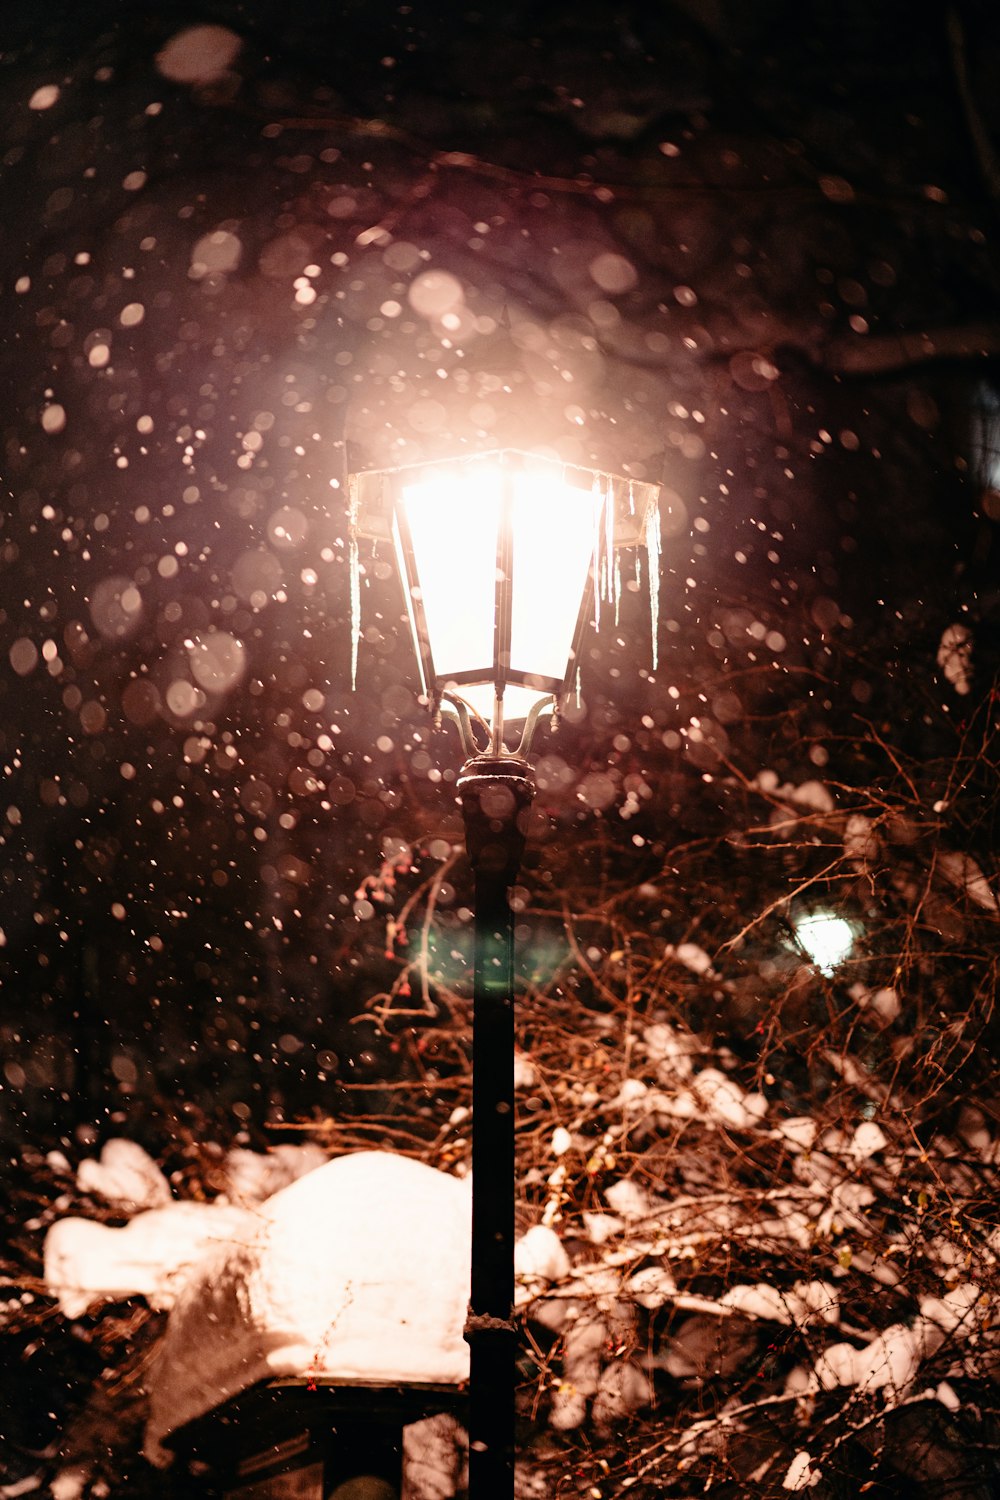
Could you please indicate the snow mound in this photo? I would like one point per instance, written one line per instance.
(126, 1176)
(539, 1255)
(252, 1176)
(954, 657)
(892, 1359)
(691, 956)
(711, 1097)
(358, 1270)
(152, 1256)
(962, 871)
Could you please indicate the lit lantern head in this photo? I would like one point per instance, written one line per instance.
(503, 556)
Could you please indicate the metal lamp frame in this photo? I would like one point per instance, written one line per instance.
(376, 514)
(496, 788)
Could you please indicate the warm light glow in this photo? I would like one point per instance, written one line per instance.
(554, 527)
(826, 938)
(496, 552)
(454, 521)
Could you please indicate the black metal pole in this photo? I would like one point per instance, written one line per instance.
(496, 793)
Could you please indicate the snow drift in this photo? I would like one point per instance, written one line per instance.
(359, 1269)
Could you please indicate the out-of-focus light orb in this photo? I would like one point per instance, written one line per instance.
(826, 938)
(199, 55)
(217, 660)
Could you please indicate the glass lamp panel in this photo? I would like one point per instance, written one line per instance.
(480, 698)
(518, 700)
(554, 530)
(401, 565)
(453, 523)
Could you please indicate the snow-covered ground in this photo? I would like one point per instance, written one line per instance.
(359, 1270)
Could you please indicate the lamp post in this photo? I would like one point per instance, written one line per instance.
(501, 556)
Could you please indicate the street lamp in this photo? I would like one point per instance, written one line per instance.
(502, 556)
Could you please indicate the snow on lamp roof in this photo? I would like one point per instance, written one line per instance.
(359, 1270)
